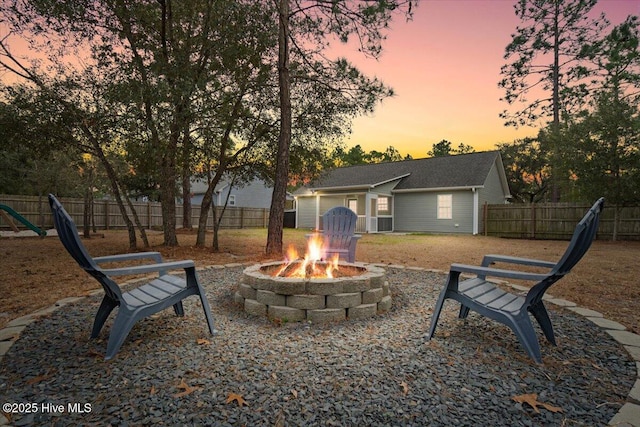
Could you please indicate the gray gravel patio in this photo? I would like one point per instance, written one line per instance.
(377, 371)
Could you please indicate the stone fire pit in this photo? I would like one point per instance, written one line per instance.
(358, 292)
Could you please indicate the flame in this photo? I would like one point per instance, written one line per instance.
(314, 263)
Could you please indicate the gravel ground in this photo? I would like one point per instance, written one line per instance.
(255, 372)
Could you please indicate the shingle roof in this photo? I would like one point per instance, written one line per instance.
(465, 170)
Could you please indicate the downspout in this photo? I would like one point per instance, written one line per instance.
(393, 213)
(317, 227)
(476, 204)
(367, 211)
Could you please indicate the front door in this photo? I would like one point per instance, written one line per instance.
(372, 215)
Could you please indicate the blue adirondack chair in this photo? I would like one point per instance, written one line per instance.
(338, 233)
(483, 297)
(165, 291)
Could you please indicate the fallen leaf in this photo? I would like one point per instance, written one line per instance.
(187, 389)
(295, 393)
(94, 353)
(39, 378)
(405, 388)
(238, 398)
(279, 422)
(203, 341)
(153, 390)
(532, 400)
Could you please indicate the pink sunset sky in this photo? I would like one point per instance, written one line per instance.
(444, 67)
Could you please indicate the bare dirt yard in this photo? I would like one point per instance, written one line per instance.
(35, 272)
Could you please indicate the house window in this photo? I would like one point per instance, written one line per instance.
(353, 205)
(445, 206)
(232, 200)
(383, 204)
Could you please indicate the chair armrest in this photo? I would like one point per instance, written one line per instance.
(149, 268)
(356, 236)
(496, 272)
(155, 256)
(491, 258)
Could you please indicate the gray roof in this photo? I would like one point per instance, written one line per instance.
(465, 170)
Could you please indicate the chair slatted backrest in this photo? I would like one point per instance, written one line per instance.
(68, 234)
(339, 225)
(583, 237)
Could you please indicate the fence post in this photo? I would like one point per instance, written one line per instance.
(533, 221)
(485, 216)
(106, 214)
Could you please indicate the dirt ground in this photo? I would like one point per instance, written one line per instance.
(35, 272)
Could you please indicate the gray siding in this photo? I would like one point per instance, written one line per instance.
(252, 195)
(491, 194)
(418, 212)
(255, 194)
(328, 202)
(307, 207)
(306, 212)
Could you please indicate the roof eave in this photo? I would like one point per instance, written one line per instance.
(422, 190)
(359, 187)
(346, 187)
(397, 178)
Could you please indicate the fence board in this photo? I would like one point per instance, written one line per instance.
(107, 214)
(557, 221)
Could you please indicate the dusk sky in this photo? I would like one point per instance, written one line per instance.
(444, 67)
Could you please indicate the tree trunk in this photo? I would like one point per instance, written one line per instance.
(217, 220)
(555, 149)
(616, 222)
(204, 215)
(136, 219)
(86, 213)
(113, 178)
(93, 213)
(276, 213)
(115, 187)
(186, 180)
(215, 245)
(168, 196)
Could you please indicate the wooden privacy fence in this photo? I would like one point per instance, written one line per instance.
(107, 214)
(556, 221)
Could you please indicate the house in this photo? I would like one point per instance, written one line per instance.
(253, 194)
(434, 195)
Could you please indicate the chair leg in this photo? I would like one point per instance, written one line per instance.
(119, 331)
(207, 311)
(106, 307)
(464, 311)
(193, 282)
(523, 329)
(179, 309)
(436, 313)
(542, 316)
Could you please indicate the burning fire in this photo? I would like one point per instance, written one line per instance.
(314, 263)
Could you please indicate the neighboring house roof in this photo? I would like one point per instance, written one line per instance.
(460, 171)
(199, 185)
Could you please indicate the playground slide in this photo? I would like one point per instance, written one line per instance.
(16, 215)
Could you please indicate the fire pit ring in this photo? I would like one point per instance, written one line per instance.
(319, 300)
